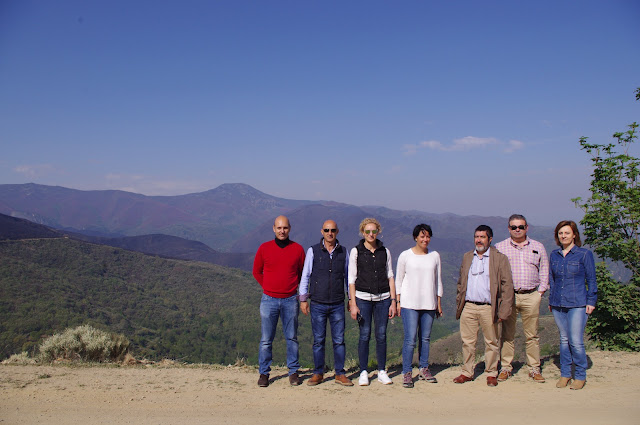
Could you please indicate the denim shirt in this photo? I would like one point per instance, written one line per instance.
(572, 278)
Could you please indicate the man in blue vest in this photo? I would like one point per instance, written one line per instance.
(324, 282)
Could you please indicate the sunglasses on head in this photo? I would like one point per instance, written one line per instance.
(330, 230)
(521, 227)
(371, 232)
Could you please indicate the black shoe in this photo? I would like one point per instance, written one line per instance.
(263, 381)
(294, 379)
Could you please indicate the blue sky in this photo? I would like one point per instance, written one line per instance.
(470, 107)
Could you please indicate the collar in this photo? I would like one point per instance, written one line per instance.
(378, 243)
(517, 245)
(283, 243)
(484, 254)
(334, 248)
(572, 250)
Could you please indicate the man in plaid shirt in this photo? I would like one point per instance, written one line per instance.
(530, 270)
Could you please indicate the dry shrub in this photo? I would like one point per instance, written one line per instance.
(129, 360)
(84, 343)
(21, 359)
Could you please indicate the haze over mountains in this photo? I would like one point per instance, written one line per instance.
(232, 217)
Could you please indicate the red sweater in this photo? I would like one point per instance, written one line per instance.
(278, 270)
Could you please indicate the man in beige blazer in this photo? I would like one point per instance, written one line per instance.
(485, 298)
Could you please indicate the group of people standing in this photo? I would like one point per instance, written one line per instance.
(493, 287)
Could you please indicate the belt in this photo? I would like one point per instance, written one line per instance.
(525, 291)
(477, 303)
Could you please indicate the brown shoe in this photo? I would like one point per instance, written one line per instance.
(536, 375)
(562, 382)
(343, 380)
(492, 381)
(462, 379)
(504, 375)
(294, 379)
(263, 381)
(577, 384)
(315, 379)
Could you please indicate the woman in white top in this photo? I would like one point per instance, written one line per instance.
(372, 296)
(419, 289)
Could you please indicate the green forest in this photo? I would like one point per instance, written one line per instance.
(183, 310)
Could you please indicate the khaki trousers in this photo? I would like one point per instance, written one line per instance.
(476, 317)
(528, 305)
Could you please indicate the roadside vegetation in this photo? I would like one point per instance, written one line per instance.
(83, 343)
(612, 229)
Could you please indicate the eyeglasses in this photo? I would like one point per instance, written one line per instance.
(371, 232)
(521, 227)
(330, 230)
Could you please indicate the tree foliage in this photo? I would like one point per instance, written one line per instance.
(612, 229)
(614, 324)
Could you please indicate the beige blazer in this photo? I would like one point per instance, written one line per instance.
(501, 284)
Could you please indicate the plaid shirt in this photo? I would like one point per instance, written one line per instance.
(529, 264)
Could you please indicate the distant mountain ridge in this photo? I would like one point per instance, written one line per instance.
(232, 217)
(12, 228)
(216, 217)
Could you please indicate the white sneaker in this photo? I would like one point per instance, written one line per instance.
(364, 379)
(384, 378)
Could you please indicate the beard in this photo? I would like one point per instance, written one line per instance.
(481, 248)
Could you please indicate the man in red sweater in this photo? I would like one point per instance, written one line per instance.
(278, 268)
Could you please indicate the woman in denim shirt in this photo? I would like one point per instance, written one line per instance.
(573, 295)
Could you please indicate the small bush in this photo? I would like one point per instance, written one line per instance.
(21, 359)
(84, 343)
(615, 323)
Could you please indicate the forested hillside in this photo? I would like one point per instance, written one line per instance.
(195, 312)
(168, 308)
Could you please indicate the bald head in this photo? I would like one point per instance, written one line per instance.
(281, 228)
(329, 232)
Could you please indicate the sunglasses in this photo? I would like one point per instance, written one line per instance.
(521, 227)
(371, 232)
(330, 230)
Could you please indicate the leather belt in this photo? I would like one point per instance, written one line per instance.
(525, 291)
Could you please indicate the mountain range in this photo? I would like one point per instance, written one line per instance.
(226, 225)
(223, 226)
(234, 217)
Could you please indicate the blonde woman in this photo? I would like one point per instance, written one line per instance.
(372, 296)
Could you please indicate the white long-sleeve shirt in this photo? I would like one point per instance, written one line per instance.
(419, 280)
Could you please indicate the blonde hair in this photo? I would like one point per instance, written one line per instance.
(369, 220)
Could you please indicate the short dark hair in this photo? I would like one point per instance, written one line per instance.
(517, 217)
(420, 228)
(484, 228)
(574, 228)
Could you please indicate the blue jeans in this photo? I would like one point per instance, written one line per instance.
(378, 311)
(571, 323)
(334, 313)
(287, 309)
(410, 320)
